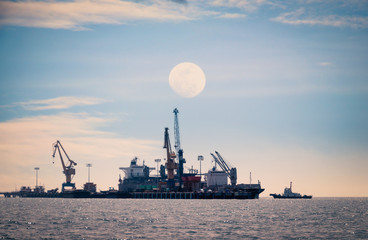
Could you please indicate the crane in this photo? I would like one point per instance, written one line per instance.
(68, 170)
(179, 151)
(171, 165)
(229, 170)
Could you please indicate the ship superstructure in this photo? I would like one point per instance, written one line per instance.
(136, 177)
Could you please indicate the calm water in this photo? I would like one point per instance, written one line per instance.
(319, 218)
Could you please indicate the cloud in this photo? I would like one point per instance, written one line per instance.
(232, 15)
(27, 142)
(248, 5)
(350, 14)
(78, 13)
(59, 103)
(301, 17)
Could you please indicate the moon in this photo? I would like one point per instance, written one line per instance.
(187, 79)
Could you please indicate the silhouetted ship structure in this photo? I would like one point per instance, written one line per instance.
(288, 193)
(170, 182)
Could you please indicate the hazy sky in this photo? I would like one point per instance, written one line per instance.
(286, 96)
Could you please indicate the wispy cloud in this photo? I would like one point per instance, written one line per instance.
(76, 14)
(232, 15)
(350, 14)
(27, 142)
(248, 5)
(59, 103)
(301, 17)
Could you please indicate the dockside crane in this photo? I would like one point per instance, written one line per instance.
(68, 170)
(170, 164)
(179, 151)
(226, 167)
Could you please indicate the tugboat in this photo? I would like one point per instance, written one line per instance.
(289, 194)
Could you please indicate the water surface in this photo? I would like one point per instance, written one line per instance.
(319, 218)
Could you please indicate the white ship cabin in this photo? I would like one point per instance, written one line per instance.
(216, 178)
(135, 170)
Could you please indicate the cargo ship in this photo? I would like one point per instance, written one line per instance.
(172, 182)
(288, 193)
(137, 183)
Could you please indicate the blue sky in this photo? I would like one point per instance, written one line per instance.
(285, 98)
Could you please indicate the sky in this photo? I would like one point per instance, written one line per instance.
(286, 95)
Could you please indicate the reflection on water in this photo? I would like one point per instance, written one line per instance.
(334, 218)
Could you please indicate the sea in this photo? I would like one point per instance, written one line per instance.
(265, 218)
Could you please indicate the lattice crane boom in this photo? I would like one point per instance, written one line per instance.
(171, 165)
(179, 150)
(176, 131)
(68, 170)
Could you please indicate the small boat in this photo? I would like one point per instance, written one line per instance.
(288, 193)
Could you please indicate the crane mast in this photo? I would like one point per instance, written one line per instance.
(170, 164)
(176, 130)
(68, 170)
(230, 171)
(179, 151)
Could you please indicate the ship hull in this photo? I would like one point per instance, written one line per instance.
(278, 196)
(252, 194)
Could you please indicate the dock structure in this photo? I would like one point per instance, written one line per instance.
(135, 195)
(191, 195)
(21, 194)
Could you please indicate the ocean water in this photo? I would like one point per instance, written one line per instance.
(319, 218)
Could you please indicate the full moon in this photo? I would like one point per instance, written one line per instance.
(187, 79)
